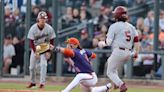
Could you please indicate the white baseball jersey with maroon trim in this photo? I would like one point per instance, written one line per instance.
(41, 36)
(122, 35)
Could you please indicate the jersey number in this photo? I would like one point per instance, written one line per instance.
(128, 36)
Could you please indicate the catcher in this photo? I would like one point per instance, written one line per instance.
(41, 37)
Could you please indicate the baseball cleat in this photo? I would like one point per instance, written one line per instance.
(31, 85)
(115, 87)
(41, 86)
(123, 88)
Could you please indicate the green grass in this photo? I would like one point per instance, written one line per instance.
(59, 87)
(23, 87)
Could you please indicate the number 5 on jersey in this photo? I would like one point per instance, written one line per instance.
(128, 36)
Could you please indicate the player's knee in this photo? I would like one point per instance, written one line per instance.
(43, 65)
(31, 68)
(109, 73)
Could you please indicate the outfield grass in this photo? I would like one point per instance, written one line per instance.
(59, 87)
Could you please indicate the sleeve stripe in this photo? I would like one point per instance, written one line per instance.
(136, 39)
(68, 52)
(93, 55)
(32, 46)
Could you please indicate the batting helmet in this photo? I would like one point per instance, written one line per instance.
(73, 40)
(120, 13)
(42, 15)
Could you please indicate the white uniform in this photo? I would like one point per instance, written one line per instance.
(121, 35)
(39, 36)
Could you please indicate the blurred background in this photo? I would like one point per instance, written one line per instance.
(88, 20)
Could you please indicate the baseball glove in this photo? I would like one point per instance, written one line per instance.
(42, 48)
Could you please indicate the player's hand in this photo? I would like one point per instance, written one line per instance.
(101, 44)
(134, 55)
(57, 49)
(37, 55)
(51, 47)
(48, 55)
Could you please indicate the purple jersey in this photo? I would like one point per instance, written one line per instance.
(81, 61)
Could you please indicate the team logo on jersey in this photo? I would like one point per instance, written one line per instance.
(40, 36)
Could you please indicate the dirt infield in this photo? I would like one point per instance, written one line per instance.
(14, 90)
(145, 84)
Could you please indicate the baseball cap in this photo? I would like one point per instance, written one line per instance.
(42, 15)
(73, 40)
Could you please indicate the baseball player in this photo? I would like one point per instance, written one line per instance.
(80, 60)
(39, 33)
(92, 89)
(121, 36)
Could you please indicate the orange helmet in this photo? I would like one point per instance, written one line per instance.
(73, 40)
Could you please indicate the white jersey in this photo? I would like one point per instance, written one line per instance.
(41, 36)
(122, 35)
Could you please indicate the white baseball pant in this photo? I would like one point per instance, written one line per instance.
(85, 79)
(43, 68)
(116, 61)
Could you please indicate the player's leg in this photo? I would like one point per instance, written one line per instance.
(76, 81)
(104, 88)
(43, 70)
(112, 70)
(116, 61)
(85, 88)
(86, 84)
(32, 70)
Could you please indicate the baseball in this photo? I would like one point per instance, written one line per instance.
(38, 47)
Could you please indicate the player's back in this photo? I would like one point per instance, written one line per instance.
(81, 61)
(123, 33)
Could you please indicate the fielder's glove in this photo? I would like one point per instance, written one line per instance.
(42, 48)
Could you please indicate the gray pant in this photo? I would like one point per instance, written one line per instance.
(43, 68)
(116, 61)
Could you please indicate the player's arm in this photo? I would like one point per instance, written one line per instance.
(136, 45)
(32, 45)
(90, 54)
(93, 56)
(66, 51)
(52, 44)
(52, 38)
(136, 49)
(52, 41)
(31, 38)
(109, 37)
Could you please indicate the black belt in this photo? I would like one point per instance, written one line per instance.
(123, 48)
(86, 72)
